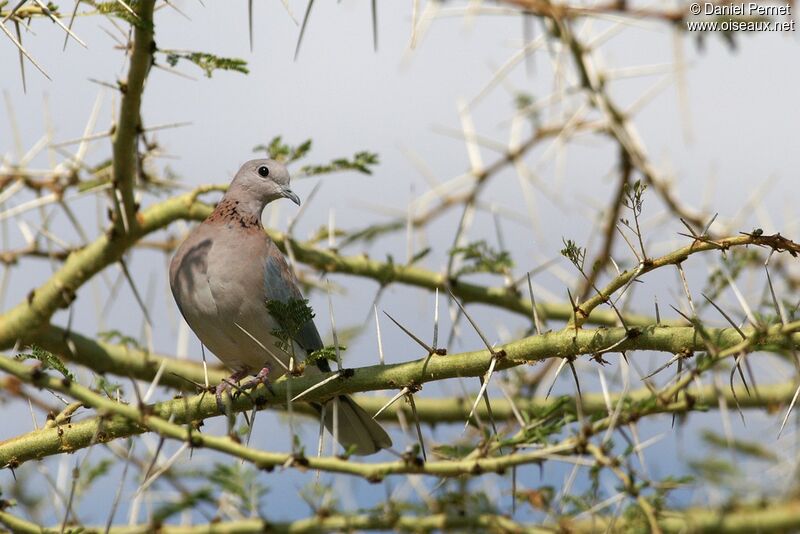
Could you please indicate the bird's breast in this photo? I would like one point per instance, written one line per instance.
(217, 278)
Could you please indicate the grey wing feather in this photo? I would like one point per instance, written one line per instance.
(188, 274)
(280, 284)
(355, 427)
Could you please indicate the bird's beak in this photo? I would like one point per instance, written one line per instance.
(291, 195)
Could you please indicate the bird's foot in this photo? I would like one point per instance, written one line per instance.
(262, 377)
(226, 385)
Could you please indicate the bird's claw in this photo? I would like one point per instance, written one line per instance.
(225, 386)
(218, 396)
(262, 377)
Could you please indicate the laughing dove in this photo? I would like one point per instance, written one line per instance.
(222, 277)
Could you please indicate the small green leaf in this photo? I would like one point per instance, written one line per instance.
(90, 473)
(634, 196)
(283, 152)
(325, 353)
(575, 254)
(115, 336)
(238, 480)
(207, 62)
(479, 257)
(115, 8)
(110, 389)
(452, 452)
(715, 470)
(291, 317)
(361, 162)
(419, 255)
(48, 360)
(187, 501)
(748, 448)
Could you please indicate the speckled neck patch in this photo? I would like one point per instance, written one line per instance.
(228, 211)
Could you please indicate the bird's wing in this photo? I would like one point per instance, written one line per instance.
(188, 276)
(280, 284)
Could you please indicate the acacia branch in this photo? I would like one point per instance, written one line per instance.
(126, 134)
(33, 314)
(73, 435)
(759, 517)
(775, 242)
(129, 361)
(60, 289)
(614, 208)
(619, 127)
(456, 409)
(123, 360)
(563, 344)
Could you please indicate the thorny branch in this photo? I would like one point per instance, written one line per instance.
(563, 344)
(126, 136)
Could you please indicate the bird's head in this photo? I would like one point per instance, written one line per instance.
(260, 181)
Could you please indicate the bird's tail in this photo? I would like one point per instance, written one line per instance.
(356, 429)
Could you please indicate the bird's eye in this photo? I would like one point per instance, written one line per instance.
(263, 171)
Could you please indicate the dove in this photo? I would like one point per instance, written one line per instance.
(222, 277)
